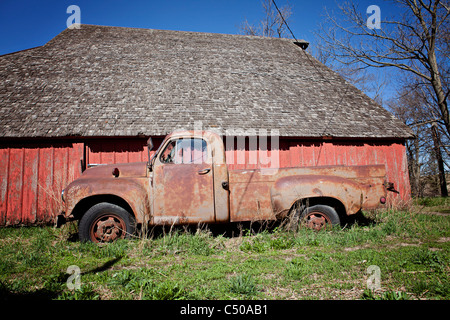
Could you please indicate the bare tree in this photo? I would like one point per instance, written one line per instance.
(271, 25)
(417, 42)
(426, 161)
(407, 108)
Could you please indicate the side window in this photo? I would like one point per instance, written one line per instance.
(185, 151)
(168, 155)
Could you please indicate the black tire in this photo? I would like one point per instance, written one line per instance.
(320, 217)
(106, 222)
(301, 216)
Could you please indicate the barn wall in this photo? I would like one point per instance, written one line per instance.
(108, 151)
(33, 174)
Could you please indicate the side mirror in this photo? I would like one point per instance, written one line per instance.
(149, 147)
(150, 144)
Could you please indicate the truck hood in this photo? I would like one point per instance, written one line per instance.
(135, 169)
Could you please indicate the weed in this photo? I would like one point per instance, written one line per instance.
(431, 287)
(419, 287)
(265, 241)
(388, 295)
(433, 201)
(427, 258)
(296, 269)
(243, 284)
(141, 284)
(177, 242)
(257, 244)
(85, 292)
(167, 290)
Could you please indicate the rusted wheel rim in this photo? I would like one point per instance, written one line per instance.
(317, 220)
(107, 228)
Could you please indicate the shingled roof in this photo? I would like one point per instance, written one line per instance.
(113, 81)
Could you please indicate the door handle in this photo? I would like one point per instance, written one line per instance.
(204, 171)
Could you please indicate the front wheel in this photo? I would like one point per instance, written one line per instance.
(106, 222)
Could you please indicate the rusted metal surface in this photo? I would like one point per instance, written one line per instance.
(184, 187)
(257, 196)
(250, 197)
(132, 186)
(135, 169)
(221, 193)
(344, 185)
(182, 194)
(317, 220)
(107, 228)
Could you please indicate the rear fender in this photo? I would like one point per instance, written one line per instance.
(287, 190)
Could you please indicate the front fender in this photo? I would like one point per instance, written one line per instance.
(287, 190)
(134, 191)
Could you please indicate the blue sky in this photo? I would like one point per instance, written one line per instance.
(29, 23)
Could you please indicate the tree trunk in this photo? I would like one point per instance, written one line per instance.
(440, 162)
(439, 91)
(416, 169)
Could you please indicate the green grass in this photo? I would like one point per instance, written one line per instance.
(411, 250)
(433, 204)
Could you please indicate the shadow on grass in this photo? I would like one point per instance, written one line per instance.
(360, 219)
(52, 288)
(41, 294)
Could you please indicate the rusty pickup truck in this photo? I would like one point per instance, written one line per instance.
(187, 181)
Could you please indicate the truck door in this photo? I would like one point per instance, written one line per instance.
(183, 183)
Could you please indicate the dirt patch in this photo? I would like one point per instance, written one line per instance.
(347, 249)
(389, 246)
(233, 243)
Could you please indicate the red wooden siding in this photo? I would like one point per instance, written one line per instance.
(109, 151)
(32, 175)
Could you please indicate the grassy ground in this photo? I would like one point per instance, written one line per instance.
(407, 249)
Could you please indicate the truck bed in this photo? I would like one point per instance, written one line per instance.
(251, 189)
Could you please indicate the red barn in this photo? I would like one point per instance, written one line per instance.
(94, 95)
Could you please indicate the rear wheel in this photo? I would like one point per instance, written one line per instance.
(106, 222)
(317, 217)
